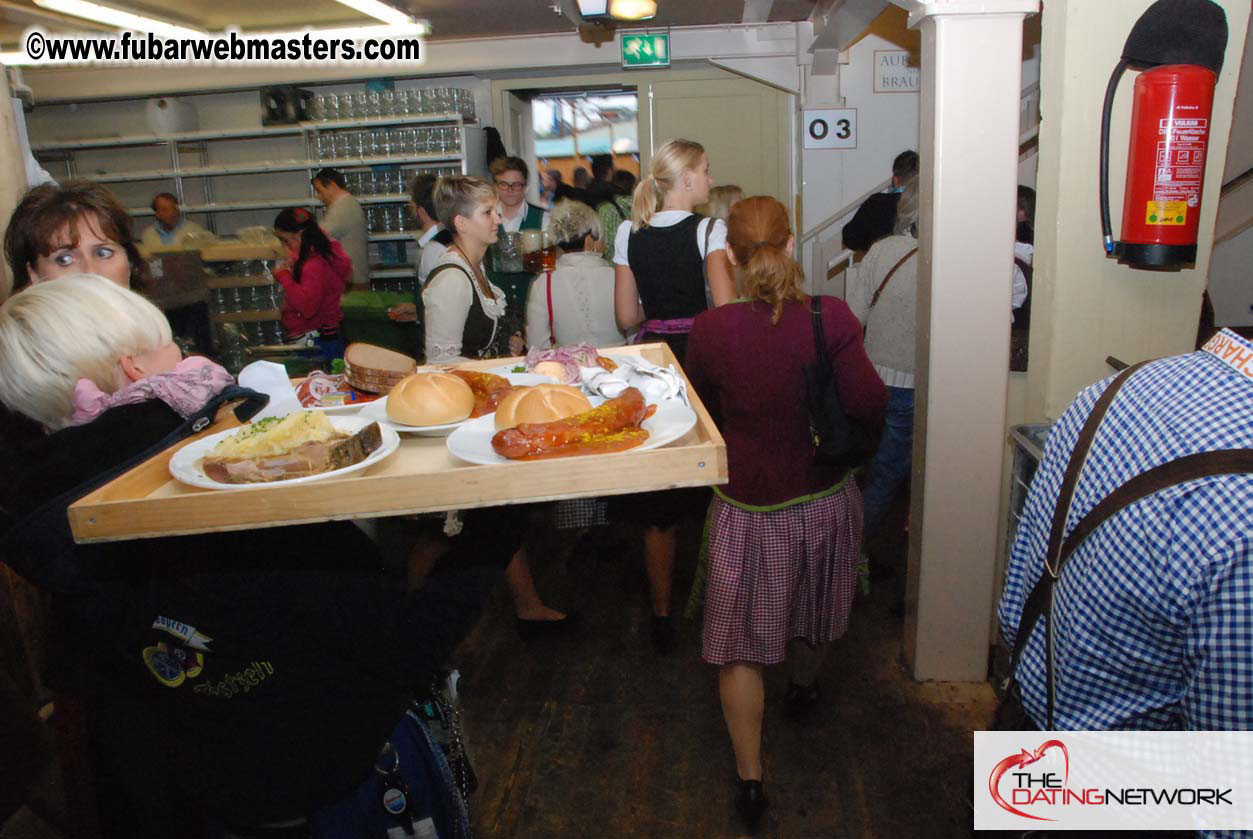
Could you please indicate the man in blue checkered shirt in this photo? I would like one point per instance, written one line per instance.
(1154, 612)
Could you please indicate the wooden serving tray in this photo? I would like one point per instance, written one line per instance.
(422, 476)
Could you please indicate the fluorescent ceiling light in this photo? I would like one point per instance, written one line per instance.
(118, 18)
(633, 9)
(593, 8)
(418, 28)
(379, 11)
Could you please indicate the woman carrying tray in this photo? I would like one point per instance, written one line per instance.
(783, 534)
(468, 317)
(662, 258)
(253, 679)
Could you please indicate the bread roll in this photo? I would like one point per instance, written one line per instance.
(429, 399)
(551, 369)
(541, 403)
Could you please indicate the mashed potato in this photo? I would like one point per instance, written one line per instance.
(276, 435)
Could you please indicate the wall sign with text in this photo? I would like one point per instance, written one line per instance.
(831, 128)
(893, 72)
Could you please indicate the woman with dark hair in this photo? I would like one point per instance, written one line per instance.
(72, 229)
(782, 536)
(313, 280)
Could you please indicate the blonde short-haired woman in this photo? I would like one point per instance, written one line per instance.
(573, 304)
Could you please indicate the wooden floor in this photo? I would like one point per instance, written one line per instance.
(595, 735)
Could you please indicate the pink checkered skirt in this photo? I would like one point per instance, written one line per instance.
(780, 575)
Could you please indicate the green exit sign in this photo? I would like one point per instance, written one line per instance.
(646, 50)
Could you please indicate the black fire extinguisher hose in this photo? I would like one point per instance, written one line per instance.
(1106, 230)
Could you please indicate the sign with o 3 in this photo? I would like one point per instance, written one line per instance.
(830, 129)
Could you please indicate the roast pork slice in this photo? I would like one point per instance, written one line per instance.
(302, 461)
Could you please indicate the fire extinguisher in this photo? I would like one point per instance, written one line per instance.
(1178, 46)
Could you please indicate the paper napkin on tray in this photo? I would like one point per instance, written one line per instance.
(268, 377)
(656, 383)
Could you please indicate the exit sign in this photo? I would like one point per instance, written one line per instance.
(647, 50)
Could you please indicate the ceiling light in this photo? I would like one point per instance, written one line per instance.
(633, 9)
(593, 8)
(118, 18)
(377, 10)
(419, 28)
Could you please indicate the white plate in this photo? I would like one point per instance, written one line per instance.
(185, 464)
(377, 410)
(472, 442)
(340, 410)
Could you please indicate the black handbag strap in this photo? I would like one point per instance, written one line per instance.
(820, 338)
(1061, 546)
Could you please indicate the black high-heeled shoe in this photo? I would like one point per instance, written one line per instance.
(800, 702)
(662, 634)
(750, 802)
(529, 630)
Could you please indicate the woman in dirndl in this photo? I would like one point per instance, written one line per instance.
(782, 535)
(663, 258)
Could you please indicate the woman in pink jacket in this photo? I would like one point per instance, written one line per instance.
(313, 281)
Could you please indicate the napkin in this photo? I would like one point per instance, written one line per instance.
(271, 378)
(656, 383)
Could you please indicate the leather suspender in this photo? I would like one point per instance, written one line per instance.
(1061, 546)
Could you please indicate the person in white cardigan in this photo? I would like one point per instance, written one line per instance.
(883, 294)
(573, 304)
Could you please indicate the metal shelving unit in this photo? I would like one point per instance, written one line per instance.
(244, 133)
(189, 163)
(310, 164)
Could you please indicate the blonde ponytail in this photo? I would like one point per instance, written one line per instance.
(664, 171)
(644, 202)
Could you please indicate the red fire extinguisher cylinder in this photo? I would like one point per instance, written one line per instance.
(1170, 125)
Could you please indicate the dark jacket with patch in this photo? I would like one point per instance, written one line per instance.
(273, 662)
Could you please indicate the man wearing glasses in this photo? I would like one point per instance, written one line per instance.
(510, 175)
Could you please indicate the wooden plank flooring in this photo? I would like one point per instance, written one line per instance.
(595, 735)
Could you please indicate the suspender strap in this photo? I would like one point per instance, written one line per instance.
(1074, 467)
(552, 326)
(1042, 594)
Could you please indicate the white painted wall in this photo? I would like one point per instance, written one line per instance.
(1088, 306)
(887, 124)
(1231, 280)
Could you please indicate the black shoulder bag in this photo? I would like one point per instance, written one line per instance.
(1011, 715)
(838, 440)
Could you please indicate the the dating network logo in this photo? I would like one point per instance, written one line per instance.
(1028, 787)
(1044, 787)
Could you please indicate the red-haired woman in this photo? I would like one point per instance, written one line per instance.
(783, 534)
(313, 281)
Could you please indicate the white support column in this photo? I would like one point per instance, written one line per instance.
(971, 78)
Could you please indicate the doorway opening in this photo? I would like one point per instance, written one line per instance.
(571, 126)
